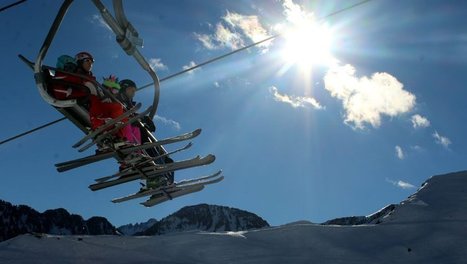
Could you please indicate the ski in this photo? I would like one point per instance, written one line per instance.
(171, 195)
(145, 161)
(107, 125)
(72, 164)
(114, 130)
(154, 171)
(184, 183)
(177, 191)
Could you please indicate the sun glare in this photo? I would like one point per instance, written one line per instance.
(308, 45)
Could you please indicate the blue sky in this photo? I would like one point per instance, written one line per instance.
(297, 139)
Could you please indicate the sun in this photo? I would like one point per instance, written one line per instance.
(308, 44)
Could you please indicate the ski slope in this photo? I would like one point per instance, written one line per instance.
(429, 227)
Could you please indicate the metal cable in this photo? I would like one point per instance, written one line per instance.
(190, 69)
(11, 5)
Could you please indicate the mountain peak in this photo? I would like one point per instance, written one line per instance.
(438, 198)
(204, 217)
(22, 219)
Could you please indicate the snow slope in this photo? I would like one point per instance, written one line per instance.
(428, 227)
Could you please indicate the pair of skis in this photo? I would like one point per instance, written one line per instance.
(176, 189)
(72, 164)
(143, 168)
(149, 172)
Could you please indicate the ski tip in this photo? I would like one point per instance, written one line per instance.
(117, 200)
(210, 157)
(93, 187)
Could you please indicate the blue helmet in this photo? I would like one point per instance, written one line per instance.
(65, 62)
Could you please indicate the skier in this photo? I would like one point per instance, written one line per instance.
(66, 63)
(126, 95)
(131, 132)
(126, 92)
(65, 86)
(111, 83)
(99, 110)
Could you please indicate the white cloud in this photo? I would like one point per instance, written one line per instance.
(169, 122)
(207, 41)
(232, 32)
(249, 26)
(294, 13)
(444, 141)
(217, 84)
(366, 99)
(228, 38)
(399, 152)
(191, 65)
(294, 101)
(401, 184)
(222, 37)
(417, 148)
(156, 64)
(420, 121)
(405, 185)
(100, 21)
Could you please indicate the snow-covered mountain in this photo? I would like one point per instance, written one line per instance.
(131, 229)
(203, 217)
(375, 218)
(429, 227)
(15, 220)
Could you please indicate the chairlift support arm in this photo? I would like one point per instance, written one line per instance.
(127, 37)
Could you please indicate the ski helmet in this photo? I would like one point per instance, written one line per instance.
(125, 84)
(65, 61)
(112, 83)
(83, 55)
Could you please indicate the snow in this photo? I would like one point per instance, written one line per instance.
(429, 227)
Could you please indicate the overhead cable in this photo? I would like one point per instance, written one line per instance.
(191, 68)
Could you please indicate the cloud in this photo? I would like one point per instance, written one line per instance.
(401, 184)
(156, 64)
(223, 37)
(294, 13)
(232, 32)
(249, 26)
(191, 65)
(399, 152)
(216, 84)
(228, 38)
(169, 122)
(295, 101)
(206, 40)
(420, 121)
(97, 19)
(444, 141)
(367, 99)
(417, 148)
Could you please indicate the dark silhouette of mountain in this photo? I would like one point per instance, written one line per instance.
(131, 229)
(375, 218)
(204, 217)
(21, 219)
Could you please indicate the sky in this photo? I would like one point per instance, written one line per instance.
(337, 117)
